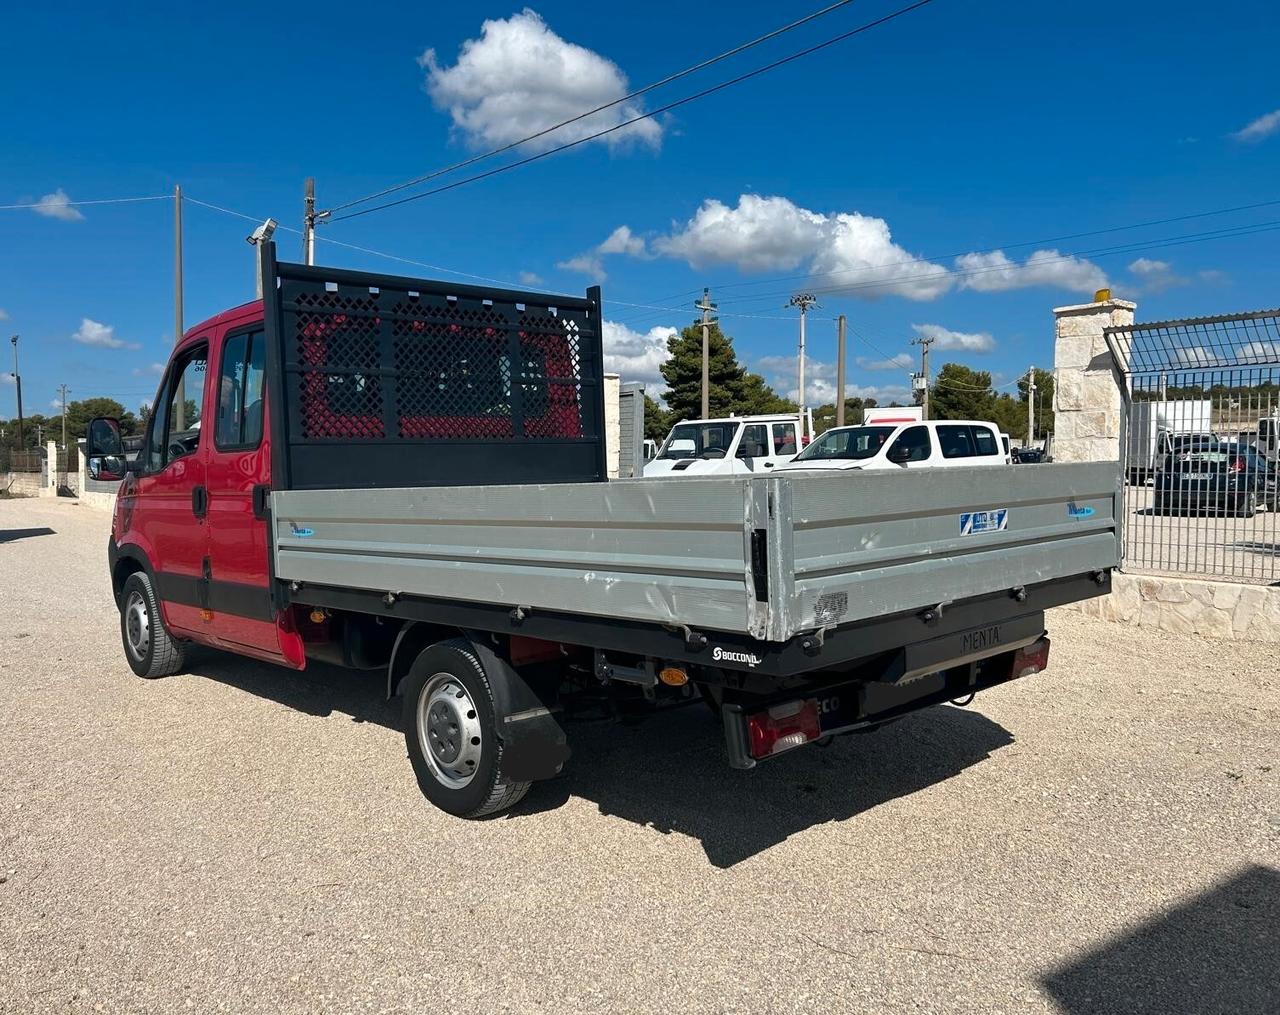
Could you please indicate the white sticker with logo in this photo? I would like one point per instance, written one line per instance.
(725, 655)
(973, 522)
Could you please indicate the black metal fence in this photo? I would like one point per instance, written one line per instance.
(1201, 445)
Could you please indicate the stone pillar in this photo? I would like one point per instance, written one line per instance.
(612, 422)
(51, 470)
(1087, 402)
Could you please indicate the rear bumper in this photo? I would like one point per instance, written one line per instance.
(862, 704)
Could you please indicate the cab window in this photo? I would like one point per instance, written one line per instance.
(916, 440)
(239, 423)
(956, 441)
(784, 439)
(175, 425)
(755, 441)
(985, 441)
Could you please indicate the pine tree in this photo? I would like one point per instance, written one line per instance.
(731, 387)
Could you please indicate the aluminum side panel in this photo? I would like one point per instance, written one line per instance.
(667, 551)
(868, 544)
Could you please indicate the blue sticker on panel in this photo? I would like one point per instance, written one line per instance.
(973, 522)
(1075, 510)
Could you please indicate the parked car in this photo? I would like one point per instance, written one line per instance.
(1206, 476)
(721, 447)
(1028, 456)
(934, 444)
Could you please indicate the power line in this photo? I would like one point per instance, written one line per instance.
(644, 116)
(599, 109)
(81, 204)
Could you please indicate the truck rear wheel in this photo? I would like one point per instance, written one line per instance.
(451, 732)
(150, 649)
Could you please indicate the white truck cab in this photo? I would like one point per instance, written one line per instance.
(938, 444)
(733, 445)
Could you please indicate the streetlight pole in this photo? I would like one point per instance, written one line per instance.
(17, 383)
(803, 301)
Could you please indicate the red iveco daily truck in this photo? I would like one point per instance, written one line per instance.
(409, 476)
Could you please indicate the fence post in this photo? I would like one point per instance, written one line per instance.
(1087, 398)
(83, 468)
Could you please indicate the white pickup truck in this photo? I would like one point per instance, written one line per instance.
(732, 446)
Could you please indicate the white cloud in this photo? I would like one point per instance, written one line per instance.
(57, 206)
(4, 315)
(1213, 276)
(1256, 130)
(530, 278)
(945, 338)
(7, 378)
(150, 370)
(902, 361)
(1156, 276)
(520, 77)
(775, 234)
(56, 405)
(103, 335)
(637, 356)
(820, 382)
(995, 272)
(620, 241)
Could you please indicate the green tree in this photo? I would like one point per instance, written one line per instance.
(960, 392)
(731, 387)
(656, 423)
(79, 413)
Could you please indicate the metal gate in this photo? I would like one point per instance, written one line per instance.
(1200, 445)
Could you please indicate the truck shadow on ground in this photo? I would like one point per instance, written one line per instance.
(11, 535)
(1214, 953)
(668, 771)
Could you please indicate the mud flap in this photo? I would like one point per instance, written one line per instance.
(534, 745)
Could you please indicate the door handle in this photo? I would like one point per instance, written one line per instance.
(199, 501)
(768, 465)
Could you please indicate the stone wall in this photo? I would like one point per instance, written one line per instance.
(1086, 400)
(22, 484)
(1191, 606)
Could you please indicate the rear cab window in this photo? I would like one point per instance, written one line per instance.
(239, 412)
(755, 441)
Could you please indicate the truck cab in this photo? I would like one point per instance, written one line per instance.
(734, 445)
(191, 511)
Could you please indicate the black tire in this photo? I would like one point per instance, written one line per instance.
(467, 790)
(1247, 505)
(150, 649)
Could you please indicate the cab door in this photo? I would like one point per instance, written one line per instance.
(163, 501)
(238, 477)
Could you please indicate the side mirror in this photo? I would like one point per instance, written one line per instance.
(103, 438)
(899, 454)
(109, 468)
(104, 449)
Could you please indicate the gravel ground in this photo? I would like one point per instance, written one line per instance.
(1103, 837)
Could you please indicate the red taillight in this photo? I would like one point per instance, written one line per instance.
(1030, 658)
(1237, 465)
(783, 727)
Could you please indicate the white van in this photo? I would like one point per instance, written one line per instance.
(935, 444)
(719, 447)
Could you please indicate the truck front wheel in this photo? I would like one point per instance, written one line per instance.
(451, 733)
(150, 649)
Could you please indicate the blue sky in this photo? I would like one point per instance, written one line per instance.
(910, 169)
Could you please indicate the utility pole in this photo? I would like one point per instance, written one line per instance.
(309, 219)
(17, 383)
(840, 327)
(63, 390)
(924, 342)
(706, 306)
(803, 301)
(180, 422)
(1031, 404)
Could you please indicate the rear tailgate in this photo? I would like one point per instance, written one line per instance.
(856, 545)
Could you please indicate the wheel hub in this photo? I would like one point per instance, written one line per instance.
(137, 626)
(449, 731)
